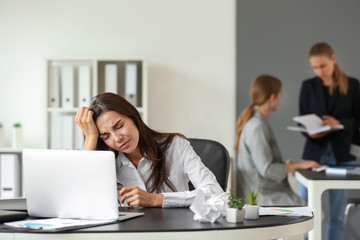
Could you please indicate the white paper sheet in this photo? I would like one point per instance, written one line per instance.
(288, 211)
(56, 224)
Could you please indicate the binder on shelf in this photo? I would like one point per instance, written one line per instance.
(111, 78)
(54, 87)
(79, 138)
(84, 88)
(131, 83)
(67, 86)
(55, 132)
(9, 176)
(68, 132)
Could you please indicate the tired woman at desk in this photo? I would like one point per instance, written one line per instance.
(260, 166)
(153, 168)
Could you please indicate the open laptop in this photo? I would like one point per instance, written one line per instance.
(72, 184)
(12, 209)
(9, 215)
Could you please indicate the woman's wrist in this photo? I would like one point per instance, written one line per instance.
(90, 142)
(158, 200)
(290, 166)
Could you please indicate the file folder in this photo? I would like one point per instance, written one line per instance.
(84, 88)
(67, 86)
(79, 138)
(68, 122)
(131, 83)
(54, 87)
(55, 132)
(9, 176)
(111, 78)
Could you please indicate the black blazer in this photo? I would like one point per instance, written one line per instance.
(345, 108)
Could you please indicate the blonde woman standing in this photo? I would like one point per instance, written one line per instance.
(260, 166)
(334, 97)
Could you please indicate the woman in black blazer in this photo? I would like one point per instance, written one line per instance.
(334, 97)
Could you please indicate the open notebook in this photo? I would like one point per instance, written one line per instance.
(312, 124)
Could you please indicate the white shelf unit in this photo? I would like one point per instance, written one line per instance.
(71, 83)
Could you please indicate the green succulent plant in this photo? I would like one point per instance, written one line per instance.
(235, 202)
(252, 198)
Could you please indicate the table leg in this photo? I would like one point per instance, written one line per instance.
(314, 201)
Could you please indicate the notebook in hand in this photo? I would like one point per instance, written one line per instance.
(312, 124)
(72, 184)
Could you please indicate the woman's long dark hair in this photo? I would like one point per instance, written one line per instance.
(152, 144)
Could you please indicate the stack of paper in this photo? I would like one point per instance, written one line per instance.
(336, 171)
(343, 170)
(56, 224)
(288, 212)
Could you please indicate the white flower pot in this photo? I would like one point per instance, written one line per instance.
(235, 215)
(252, 211)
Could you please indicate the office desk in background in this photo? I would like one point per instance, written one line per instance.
(317, 183)
(175, 223)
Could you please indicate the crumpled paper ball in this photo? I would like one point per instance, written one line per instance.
(209, 208)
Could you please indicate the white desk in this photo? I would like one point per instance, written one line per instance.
(316, 184)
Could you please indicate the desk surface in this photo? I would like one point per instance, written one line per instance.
(180, 221)
(311, 175)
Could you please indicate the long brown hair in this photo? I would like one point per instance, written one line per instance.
(339, 77)
(261, 90)
(152, 144)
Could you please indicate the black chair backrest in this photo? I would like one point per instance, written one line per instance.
(215, 157)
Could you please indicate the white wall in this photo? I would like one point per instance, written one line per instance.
(189, 46)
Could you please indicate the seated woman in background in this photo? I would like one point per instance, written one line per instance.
(259, 165)
(153, 168)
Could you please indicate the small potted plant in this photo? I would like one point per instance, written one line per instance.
(235, 212)
(252, 207)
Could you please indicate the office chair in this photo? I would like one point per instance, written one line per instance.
(352, 216)
(215, 157)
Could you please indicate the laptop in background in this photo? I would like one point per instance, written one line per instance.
(12, 209)
(71, 184)
(9, 215)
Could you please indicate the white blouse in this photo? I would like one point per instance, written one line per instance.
(183, 165)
